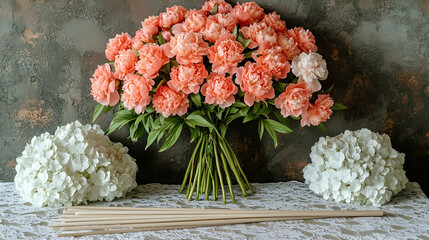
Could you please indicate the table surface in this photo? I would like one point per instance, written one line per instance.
(407, 215)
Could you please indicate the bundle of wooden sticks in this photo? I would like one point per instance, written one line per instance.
(107, 220)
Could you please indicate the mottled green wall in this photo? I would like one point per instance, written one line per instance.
(377, 54)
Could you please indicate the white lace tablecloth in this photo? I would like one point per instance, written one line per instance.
(407, 218)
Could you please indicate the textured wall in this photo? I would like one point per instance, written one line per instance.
(377, 54)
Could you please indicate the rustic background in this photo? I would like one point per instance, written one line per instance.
(377, 55)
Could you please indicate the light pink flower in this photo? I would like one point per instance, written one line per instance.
(274, 21)
(136, 92)
(255, 82)
(166, 35)
(294, 100)
(152, 58)
(227, 21)
(226, 54)
(187, 78)
(140, 38)
(169, 102)
(194, 21)
(219, 90)
(222, 6)
(213, 30)
(261, 35)
(310, 68)
(318, 112)
(150, 25)
(173, 15)
(273, 61)
(124, 63)
(289, 46)
(104, 86)
(304, 38)
(188, 47)
(248, 13)
(116, 44)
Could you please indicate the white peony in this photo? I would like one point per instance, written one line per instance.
(310, 67)
(356, 167)
(75, 165)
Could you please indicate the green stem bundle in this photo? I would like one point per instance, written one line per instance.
(212, 161)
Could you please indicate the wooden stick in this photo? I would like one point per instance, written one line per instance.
(166, 226)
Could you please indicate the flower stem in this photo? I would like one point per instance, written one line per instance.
(190, 166)
(219, 172)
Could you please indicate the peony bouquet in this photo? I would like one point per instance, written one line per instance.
(203, 69)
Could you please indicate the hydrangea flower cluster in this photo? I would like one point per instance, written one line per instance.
(356, 167)
(75, 165)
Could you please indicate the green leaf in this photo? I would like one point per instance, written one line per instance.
(280, 117)
(172, 137)
(223, 129)
(235, 30)
(161, 39)
(321, 127)
(191, 123)
(150, 109)
(107, 109)
(249, 54)
(214, 9)
(244, 111)
(195, 134)
(139, 132)
(136, 52)
(246, 43)
(239, 104)
(234, 110)
(278, 127)
(199, 121)
(279, 86)
(261, 129)
(271, 131)
(98, 109)
(119, 121)
(151, 138)
(165, 68)
(233, 117)
(196, 99)
(256, 107)
(296, 118)
(258, 55)
(239, 37)
(330, 88)
(249, 117)
(338, 106)
(132, 128)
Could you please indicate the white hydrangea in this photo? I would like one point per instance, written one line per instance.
(356, 167)
(310, 67)
(75, 165)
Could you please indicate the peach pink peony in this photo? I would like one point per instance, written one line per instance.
(274, 21)
(150, 25)
(187, 78)
(213, 30)
(219, 90)
(140, 38)
(104, 87)
(124, 63)
(289, 46)
(227, 21)
(273, 61)
(318, 112)
(310, 68)
(261, 35)
(118, 43)
(294, 100)
(222, 6)
(188, 47)
(226, 54)
(248, 13)
(255, 82)
(166, 35)
(194, 21)
(152, 58)
(304, 38)
(169, 102)
(173, 15)
(135, 92)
